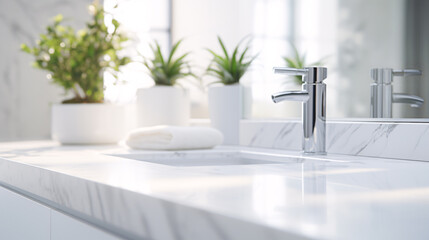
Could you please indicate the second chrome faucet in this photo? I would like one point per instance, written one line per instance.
(313, 97)
(382, 96)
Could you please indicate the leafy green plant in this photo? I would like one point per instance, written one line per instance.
(229, 68)
(299, 61)
(166, 71)
(76, 60)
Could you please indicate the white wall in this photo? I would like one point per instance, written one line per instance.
(201, 21)
(25, 93)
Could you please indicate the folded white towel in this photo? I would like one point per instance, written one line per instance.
(174, 138)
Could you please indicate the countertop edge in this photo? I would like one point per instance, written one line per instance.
(149, 220)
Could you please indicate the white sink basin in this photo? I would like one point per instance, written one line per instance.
(207, 158)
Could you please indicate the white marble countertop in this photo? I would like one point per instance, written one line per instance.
(329, 197)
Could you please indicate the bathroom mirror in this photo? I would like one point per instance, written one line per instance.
(349, 36)
(353, 37)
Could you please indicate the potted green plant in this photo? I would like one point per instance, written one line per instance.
(166, 103)
(226, 98)
(76, 61)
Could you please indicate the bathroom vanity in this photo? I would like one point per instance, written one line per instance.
(365, 179)
(247, 192)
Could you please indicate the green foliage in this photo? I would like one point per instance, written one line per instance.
(166, 71)
(228, 69)
(298, 61)
(76, 60)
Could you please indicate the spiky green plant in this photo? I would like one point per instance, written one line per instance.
(166, 71)
(76, 60)
(229, 69)
(299, 61)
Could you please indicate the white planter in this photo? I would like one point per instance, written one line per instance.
(162, 105)
(96, 123)
(226, 110)
(247, 102)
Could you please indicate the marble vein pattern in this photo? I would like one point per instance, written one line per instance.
(275, 135)
(373, 139)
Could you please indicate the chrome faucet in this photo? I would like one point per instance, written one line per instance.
(313, 97)
(382, 95)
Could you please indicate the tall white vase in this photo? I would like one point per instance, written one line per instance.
(97, 123)
(226, 110)
(162, 105)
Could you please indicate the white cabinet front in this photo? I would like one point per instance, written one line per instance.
(68, 228)
(22, 218)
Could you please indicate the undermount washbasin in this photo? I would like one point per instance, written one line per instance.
(194, 159)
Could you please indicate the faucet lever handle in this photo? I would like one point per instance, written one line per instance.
(309, 75)
(385, 75)
(407, 72)
(290, 71)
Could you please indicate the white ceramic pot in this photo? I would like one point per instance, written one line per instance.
(162, 105)
(247, 102)
(226, 110)
(97, 123)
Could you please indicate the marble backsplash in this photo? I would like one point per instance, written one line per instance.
(372, 139)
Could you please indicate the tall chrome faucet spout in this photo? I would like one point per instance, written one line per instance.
(313, 97)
